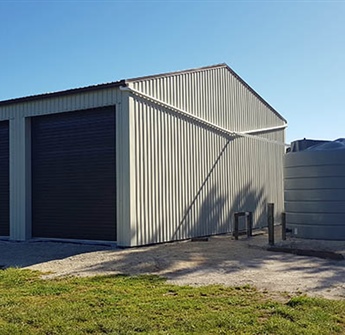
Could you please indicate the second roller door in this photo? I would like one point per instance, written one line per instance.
(4, 179)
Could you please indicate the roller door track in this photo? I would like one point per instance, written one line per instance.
(73, 175)
(4, 179)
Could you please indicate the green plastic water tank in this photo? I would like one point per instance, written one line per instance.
(314, 184)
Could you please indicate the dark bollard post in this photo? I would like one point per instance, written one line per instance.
(283, 226)
(270, 219)
(236, 226)
(249, 224)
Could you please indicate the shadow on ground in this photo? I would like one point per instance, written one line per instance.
(24, 254)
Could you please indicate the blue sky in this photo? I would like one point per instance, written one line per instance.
(291, 52)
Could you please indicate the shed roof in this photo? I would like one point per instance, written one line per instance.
(124, 82)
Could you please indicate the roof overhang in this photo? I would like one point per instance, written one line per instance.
(63, 93)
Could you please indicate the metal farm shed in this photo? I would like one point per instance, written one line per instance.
(139, 161)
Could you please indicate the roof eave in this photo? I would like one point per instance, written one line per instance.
(63, 93)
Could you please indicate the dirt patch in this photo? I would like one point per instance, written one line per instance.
(218, 260)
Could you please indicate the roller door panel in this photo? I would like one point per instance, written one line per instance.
(73, 175)
(4, 179)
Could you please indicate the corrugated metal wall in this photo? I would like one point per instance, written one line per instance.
(187, 180)
(60, 104)
(215, 95)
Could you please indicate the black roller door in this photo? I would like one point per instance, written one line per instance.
(4, 179)
(73, 175)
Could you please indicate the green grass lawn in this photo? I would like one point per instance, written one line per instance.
(148, 305)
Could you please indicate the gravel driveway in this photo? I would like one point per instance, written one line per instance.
(220, 260)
